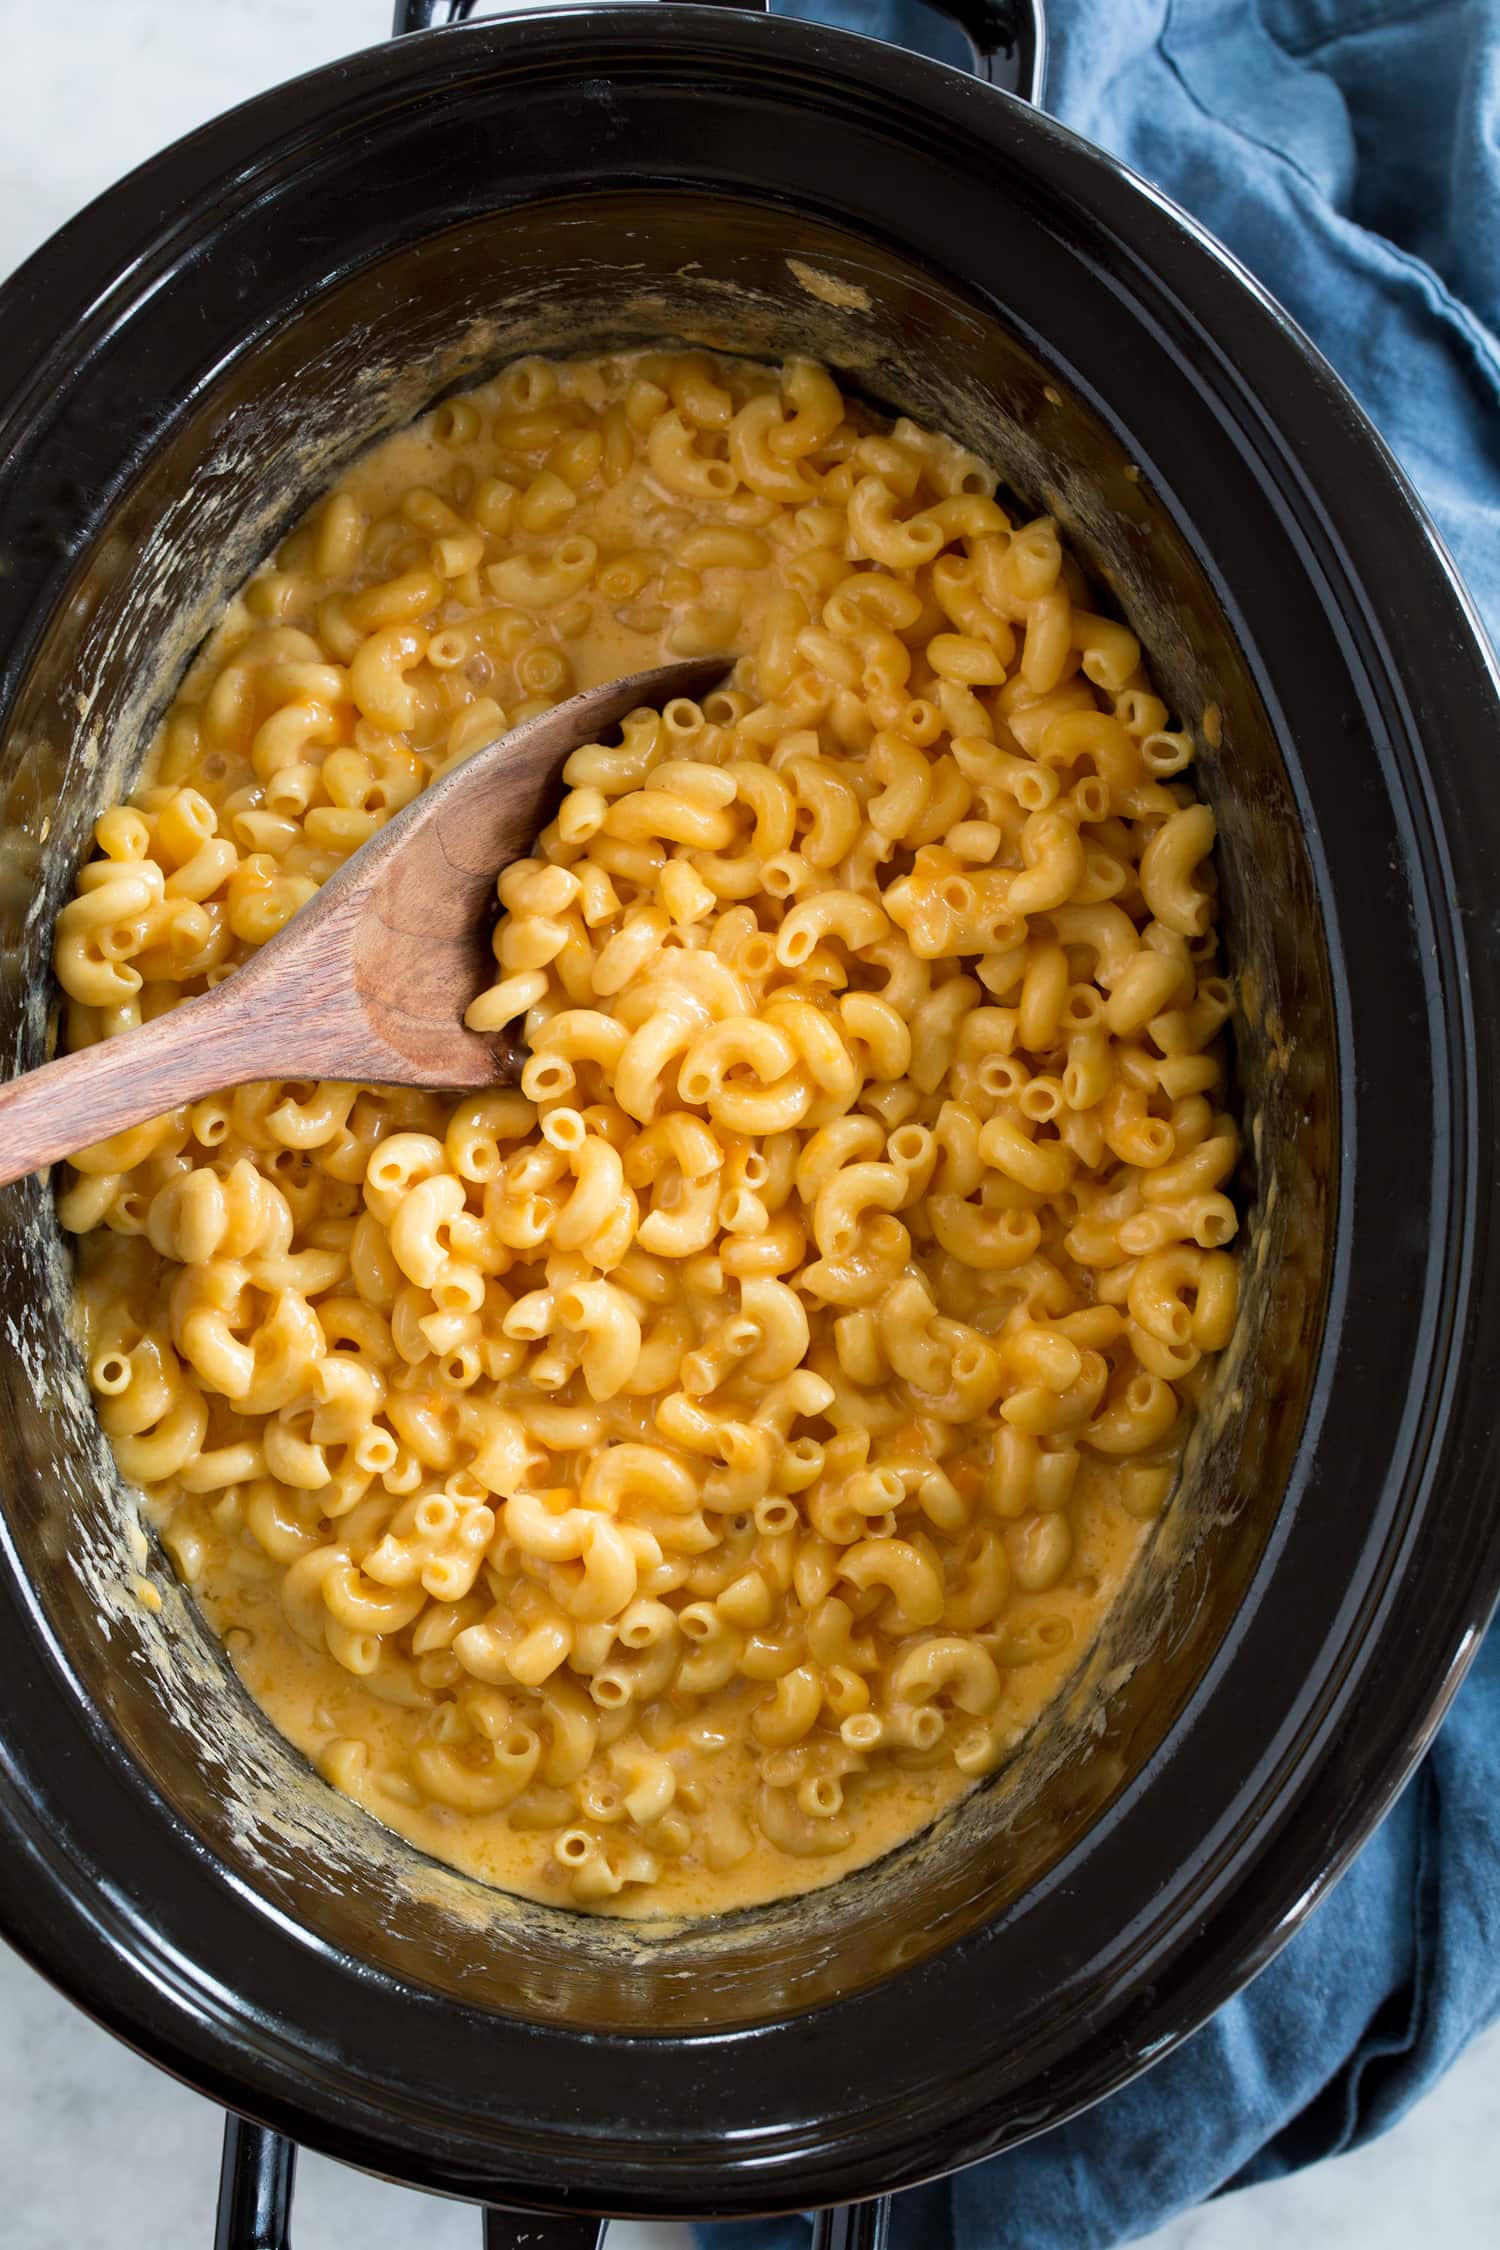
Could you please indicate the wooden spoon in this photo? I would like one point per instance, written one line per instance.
(371, 978)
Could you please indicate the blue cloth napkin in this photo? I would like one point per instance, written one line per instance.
(1348, 151)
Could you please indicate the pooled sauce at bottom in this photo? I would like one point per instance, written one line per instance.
(320, 1708)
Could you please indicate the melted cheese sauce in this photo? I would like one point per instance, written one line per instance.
(340, 1457)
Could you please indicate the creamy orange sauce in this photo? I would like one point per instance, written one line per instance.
(315, 1704)
(619, 1560)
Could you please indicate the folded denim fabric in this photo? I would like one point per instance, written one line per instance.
(1348, 152)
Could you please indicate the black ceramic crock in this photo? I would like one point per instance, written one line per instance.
(179, 370)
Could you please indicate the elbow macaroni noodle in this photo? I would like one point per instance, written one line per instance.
(664, 1486)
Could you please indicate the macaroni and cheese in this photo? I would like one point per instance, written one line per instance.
(665, 1485)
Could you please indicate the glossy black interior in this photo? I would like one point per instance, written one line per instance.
(180, 371)
(413, 324)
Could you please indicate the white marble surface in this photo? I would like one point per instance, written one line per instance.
(95, 2146)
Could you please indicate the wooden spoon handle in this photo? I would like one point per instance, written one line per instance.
(100, 1091)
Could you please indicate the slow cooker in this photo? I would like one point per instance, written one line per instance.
(180, 369)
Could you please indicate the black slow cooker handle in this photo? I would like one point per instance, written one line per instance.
(1007, 38)
(1008, 42)
(255, 2188)
(255, 2204)
(255, 2207)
